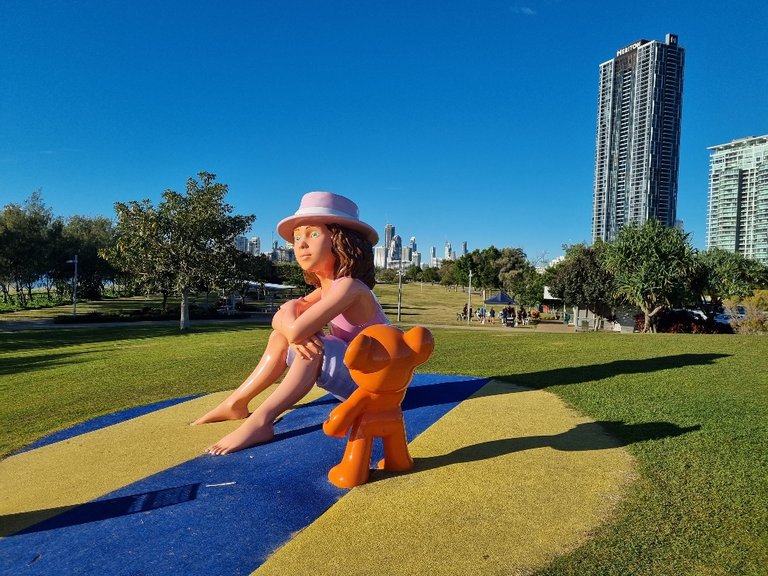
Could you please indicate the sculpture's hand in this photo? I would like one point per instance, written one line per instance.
(309, 348)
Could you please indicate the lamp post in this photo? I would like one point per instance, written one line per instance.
(399, 289)
(469, 305)
(74, 287)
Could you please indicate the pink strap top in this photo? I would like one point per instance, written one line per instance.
(343, 329)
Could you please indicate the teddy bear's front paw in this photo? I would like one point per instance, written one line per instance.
(347, 477)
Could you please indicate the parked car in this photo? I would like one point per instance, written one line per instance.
(698, 314)
(725, 318)
(693, 313)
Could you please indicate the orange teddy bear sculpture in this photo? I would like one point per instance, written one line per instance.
(381, 360)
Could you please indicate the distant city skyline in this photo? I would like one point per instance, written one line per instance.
(382, 255)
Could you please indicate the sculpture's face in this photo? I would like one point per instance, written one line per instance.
(312, 247)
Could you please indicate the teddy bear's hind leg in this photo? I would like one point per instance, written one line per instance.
(396, 455)
(354, 467)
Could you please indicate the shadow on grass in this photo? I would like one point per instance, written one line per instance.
(43, 338)
(403, 307)
(582, 437)
(391, 310)
(65, 516)
(594, 372)
(37, 362)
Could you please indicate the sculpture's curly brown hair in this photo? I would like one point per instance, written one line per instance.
(354, 256)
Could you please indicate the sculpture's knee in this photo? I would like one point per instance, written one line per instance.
(278, 340)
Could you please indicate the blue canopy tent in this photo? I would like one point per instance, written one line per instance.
(500, 299)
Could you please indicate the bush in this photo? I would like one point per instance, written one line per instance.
(753, 324)
(755, 320)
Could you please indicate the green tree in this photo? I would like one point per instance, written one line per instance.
(456, 272)
(291, 273)
(528, 287)
(25, 246)
(581, 279)
(244, 269)
(484, 265)
(450, 274)
(430, 274)
(87, 238)
(386, 276)
(187, 241)
(721, 274)
(141, 249)
(487, 268)
(652, 266)
(413, 273)
(512, 266)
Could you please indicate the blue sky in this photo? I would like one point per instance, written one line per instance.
(452, 120)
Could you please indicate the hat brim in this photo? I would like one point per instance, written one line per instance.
(286, 226)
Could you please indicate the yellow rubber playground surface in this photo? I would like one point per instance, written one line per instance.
(506, 479)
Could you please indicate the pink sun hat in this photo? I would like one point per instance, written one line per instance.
(326, 208)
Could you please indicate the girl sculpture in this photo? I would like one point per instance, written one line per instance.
(335, 250)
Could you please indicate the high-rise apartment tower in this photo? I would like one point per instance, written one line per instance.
(389, 232)
(638, 136)
(737, 213)
(254, 246)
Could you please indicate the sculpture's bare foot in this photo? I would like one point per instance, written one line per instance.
(248, 434)
(224, 411)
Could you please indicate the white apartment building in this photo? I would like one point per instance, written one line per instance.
(737, 211)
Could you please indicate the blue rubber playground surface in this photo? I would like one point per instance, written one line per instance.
(185, 519)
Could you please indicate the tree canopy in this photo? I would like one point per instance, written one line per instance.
(37, 249)
(491, 268)
(582, 279)
(721, 274)
(184, 242)
(651, 266)
(25, 238)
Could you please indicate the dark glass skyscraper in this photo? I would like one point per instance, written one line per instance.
(638, 136)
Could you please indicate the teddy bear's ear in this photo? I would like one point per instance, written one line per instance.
(365, 354)
(420, 340)
(357, 351)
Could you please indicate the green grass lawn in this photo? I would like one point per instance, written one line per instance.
(693, 410)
